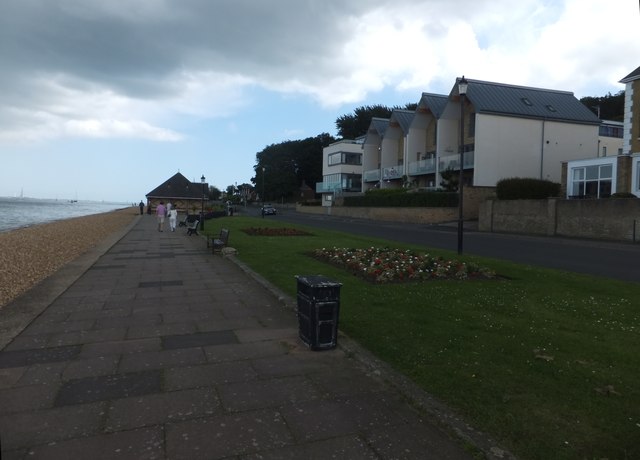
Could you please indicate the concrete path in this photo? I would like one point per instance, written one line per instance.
(155, 348)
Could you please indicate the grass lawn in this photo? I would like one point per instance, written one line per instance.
(545, 361)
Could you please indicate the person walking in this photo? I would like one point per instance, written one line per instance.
(161, 211)
(173, 219)
(141, 207)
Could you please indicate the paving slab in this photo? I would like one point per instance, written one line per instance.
(151, 347)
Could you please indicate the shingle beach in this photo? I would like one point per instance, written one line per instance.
(29, 255)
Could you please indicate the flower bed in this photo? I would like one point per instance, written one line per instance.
(266, 231)
(385, 265)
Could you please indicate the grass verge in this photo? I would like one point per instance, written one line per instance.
(546, 361)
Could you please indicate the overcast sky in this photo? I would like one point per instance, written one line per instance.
(105, 100)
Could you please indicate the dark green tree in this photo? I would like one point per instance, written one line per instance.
(287, 165)
(356, 124)
(609, 107)
(450, 180)
(214, 193)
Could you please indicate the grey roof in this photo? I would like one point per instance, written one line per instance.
(434, 102)
(404, 118)
(178, 186)
(635, 75)
(527, 102)
(379, 125)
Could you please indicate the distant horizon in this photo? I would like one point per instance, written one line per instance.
(24, 197)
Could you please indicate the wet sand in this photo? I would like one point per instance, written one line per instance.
(29, 255)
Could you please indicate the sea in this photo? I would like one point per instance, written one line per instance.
(20, 212)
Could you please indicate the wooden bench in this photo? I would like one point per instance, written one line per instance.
(219, 242)
(193, 228)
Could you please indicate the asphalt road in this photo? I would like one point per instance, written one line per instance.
(600, 258)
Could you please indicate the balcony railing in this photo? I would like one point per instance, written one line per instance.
(372, 175)
(392, 172)
(453, 161)
(427, 166)
(327, 187)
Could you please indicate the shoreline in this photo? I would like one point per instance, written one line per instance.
(28, 255)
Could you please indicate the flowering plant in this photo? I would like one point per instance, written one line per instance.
(384, 265)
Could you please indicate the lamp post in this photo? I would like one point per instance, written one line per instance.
(262, 210)
(462, 91)
(202, 179)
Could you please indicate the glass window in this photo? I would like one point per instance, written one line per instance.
(592, 172)
(578, 174)
(606, 171)
(592, 181)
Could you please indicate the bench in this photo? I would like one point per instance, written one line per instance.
(219, 242)
(193, 228)
(188, 218)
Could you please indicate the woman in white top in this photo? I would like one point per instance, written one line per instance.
(173, 218)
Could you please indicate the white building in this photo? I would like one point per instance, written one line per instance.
(341, 170)
(509, 131)
(616, 166)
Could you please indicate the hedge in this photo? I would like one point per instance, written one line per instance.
(526, 189)
(399, 198)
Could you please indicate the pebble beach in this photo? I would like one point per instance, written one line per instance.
(29, 255)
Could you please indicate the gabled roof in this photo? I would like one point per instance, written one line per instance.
(635, 75)
(379, 125)
(404, 118)
(376, 126)
(434, 102)
(527, 102)
(178, 186)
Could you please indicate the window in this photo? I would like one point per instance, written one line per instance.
(551, 108)
(526, 101)
(345, 158)
(592, 181)
(611, 131)
(604, 150)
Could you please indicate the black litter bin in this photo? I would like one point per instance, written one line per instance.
(318, 311)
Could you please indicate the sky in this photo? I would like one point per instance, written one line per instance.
(105, 100)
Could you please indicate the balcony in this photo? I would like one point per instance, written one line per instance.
(327, 187)
(372, 175)
(392, 172)
(453, 161)
(417, 168)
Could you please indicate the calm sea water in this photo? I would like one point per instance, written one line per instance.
(23, 212)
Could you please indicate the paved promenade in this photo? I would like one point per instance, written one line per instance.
(151, 348)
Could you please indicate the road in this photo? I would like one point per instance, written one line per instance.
(600, 258)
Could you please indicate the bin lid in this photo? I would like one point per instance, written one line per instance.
(317, 281)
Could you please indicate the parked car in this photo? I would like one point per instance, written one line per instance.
(268, 210)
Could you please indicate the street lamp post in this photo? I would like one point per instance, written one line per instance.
(262, 210)
(202, 179)
(462, 91)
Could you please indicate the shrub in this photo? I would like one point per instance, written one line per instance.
(526, 189)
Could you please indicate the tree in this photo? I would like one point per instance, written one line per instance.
(287, 165)
(450, 180)
(355, 125)
(214, 193)
(609, 107)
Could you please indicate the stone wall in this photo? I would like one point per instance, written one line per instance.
(473, 196)
(609, 219)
